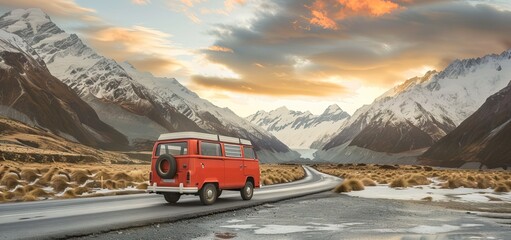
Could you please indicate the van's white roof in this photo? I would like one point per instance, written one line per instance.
(204, 136)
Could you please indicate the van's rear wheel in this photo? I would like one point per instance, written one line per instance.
(208, 194)
(172, 197)
(247, 191)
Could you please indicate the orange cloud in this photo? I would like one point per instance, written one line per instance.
(61, 8)
(262, 84)
(146, 48)
(325, 13)
(220, 49)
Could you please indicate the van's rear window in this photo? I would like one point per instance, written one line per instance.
(174, 148)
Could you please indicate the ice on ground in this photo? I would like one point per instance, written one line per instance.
(235, 221)
(274, 229)
(433, 191)
(425, 229)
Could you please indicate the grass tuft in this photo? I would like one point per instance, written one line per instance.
(368, 182)
(399, 183)
(501, 188)
(349, 185)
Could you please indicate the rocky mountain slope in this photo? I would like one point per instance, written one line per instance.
(136, 104)
(301, 130)
(419, 112)
(484, 137)
(31, 94)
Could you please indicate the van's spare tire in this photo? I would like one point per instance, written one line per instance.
(166, 166)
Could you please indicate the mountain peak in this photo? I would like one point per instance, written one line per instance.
(282, 109)
(332, 108)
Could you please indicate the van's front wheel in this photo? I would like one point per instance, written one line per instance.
(208, 194)
(172, 197)
(247, 191)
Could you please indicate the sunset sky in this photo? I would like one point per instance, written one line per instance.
(250, 55)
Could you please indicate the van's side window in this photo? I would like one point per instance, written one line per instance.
(249, 152)
(175, 148)
(232, 150)
(210, 149)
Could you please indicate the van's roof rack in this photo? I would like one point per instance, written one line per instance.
(204, 136)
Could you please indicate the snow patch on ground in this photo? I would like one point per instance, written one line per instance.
(433, 191)
(275, 229)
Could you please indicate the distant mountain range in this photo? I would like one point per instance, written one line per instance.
(301, 130)
(136, 104)
(411, 117)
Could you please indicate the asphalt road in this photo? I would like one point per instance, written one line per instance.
(80, 217)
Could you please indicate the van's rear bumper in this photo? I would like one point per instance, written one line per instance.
(155, 189)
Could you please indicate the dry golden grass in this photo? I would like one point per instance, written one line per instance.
(25, 181)
(402, 176)
(275, 173)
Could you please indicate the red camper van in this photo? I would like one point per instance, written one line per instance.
(203, 164)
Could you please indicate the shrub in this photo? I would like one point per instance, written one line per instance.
(501, 188)
(79, 176)
(429, 199)
(349, 185)
(142, 186)
(10, 181)
(267, 181)
(59, 185)
(69, 194)
(29, 175)
(39, 193)
(81, 190)
(368, 182)
(417, 179)
(122, 176)
(29, 198)
(399, 183)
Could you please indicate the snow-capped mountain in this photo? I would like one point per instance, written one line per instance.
(30, 94)
(118, 99)
(208, 116)
(301, 130)
(419, 112)
(483, 138)
(126, 99)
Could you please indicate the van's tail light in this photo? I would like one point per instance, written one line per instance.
(188, 177)
(151, 177)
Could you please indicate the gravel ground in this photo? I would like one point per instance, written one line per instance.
(333, 216)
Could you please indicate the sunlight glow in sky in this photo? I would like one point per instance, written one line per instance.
(252, 55)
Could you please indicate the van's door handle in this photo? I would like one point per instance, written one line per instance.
(241, 166)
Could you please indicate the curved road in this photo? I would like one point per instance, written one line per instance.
(78, 217)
